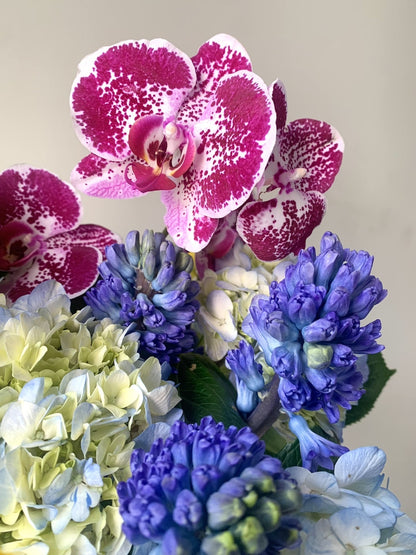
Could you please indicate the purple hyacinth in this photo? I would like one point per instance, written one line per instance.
(309, 328)
(208, 489)
(147, 286)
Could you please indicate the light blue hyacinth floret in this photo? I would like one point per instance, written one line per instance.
(146, 285)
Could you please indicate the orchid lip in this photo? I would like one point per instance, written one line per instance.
(19, 243)
(167, 148)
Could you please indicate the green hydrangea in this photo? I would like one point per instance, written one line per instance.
(74, 395)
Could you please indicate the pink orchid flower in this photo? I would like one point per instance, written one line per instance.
(39, 237)
(199, 129)
(303, 165)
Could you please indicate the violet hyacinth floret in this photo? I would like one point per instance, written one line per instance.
(146, 285)
(309, 327)
(208, 489)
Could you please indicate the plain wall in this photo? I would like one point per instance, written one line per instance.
(348, 63)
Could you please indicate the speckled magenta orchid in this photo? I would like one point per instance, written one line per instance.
(289, 202)
(199, 129)
(40, 237)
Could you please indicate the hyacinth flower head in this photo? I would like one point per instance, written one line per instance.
(309, 328)
(199, 129)
(147, 285)
(40, 237)
(209, 489)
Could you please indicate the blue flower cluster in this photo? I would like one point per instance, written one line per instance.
(208, 489)
(147, 285)
(309, 328)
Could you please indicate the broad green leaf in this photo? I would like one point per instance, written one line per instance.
(377, 379)
(290, 455)
(274, 442)
(205, 391)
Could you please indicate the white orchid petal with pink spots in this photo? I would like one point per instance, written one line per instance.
(303, 165)
(39, 237)
(199, 130)
(278, 93)
(312, 145)
(119, 84)
(275, 228)
(39, 199)
(100, 178)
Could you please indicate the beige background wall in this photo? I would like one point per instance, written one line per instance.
(349, 63)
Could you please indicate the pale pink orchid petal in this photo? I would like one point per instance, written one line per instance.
(187, 227)
(100, 178)
(119, 84)
(39, 199)
(275, 228)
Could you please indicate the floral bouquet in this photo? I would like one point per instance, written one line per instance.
(185, 391)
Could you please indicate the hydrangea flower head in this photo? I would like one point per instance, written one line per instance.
(350, 511)
(40, 237)
(199, 129)
(309, 328)
(147, 284)
(207, 488)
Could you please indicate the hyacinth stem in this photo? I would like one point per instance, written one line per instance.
(267, 412)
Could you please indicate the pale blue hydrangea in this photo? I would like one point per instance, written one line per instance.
(350, 511)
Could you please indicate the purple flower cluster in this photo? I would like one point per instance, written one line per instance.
(147, 285)
(208, 489)
(309, 328)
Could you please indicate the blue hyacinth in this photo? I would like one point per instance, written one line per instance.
(147, 285)
(309, 328)
(208, 489)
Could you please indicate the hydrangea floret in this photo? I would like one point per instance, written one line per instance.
(207, 488)
(146, 285)
(350, 510)
(199, 129)
(226, 295)
(40, 235)
(309, 328)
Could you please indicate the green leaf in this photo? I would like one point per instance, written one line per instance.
(290, 455)
(274, 442)
(205, 391)
(377, 379)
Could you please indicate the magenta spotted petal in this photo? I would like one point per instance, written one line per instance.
(289, 200)
(280, 226)
(39, 237)
(201, 130)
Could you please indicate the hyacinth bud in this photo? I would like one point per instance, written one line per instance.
(241, 362)
(132, 244)
(318, 356)
(326, 266)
